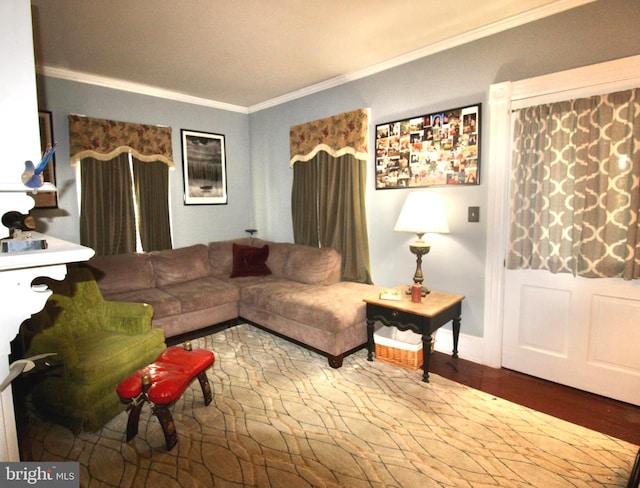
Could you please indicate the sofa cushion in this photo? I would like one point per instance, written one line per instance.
(313, 265)
(332, 308)
(122, 272)
(202, 293)
(162, 302)
(250, 261)
(179, 265)
(221, 257)
(278, 255)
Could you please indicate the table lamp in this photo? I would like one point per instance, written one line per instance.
(423, 212)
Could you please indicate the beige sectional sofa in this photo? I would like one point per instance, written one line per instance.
(289, 289)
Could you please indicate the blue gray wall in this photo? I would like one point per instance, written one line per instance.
(259, 177)
(191, 223)
(596, 32)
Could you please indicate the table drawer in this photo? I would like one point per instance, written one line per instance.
(389, 316)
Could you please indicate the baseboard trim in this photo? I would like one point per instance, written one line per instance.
(469, 347)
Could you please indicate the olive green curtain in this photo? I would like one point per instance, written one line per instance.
(305, 204)
(575, 187)
(107, 216)
(329, 159)
(343, 218)
(151, 185)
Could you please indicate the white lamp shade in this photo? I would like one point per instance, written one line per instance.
(422, 213)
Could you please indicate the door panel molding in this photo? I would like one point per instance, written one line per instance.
(533, 333)
(607, 336)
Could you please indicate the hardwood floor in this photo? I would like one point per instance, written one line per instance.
(601, 414)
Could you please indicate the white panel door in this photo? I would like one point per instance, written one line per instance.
(579, 332)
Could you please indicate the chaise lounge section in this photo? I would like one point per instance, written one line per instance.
(292, 290)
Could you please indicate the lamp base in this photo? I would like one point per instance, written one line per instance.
(419, 248)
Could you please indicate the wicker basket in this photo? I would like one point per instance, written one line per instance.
(399, 348)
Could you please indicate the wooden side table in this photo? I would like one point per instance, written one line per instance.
(435, 310)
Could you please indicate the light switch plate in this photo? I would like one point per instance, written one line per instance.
(474, 214)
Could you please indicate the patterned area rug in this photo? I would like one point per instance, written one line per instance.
(281, 417)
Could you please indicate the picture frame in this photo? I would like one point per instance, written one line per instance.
(440, 148)
(46, 199)
(204, 168)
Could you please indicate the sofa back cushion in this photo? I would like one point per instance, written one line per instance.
(122, 272)
(179, 265)
(278, 256)
(221, 255)
(312, 265)
(250, 261)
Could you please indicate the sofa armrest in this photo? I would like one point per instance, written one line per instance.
(127, 317)
(63, 347)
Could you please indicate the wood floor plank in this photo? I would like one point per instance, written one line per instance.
(611, 417)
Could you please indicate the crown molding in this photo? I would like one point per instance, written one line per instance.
(152, 91)
(473, 35)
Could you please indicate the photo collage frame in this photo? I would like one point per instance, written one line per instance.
(441, 148)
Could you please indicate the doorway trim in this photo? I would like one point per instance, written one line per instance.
(504, 97)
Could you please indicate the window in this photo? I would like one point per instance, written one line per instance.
(328, 195)
(575, 187)
(123, 181)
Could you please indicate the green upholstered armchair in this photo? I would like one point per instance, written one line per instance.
(98, 343)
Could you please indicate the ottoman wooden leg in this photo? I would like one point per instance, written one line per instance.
(133, 420)
(135, 407)
(168, 426)
(206, 387)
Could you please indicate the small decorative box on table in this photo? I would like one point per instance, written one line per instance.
(424, 318)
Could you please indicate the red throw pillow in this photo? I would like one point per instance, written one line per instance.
(250, 261)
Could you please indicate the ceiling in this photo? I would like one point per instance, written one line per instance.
(251, 53)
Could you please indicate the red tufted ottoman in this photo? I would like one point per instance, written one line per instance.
(162, 383)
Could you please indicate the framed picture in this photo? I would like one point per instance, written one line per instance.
(46, 199)
(441, 148)
(204, 168)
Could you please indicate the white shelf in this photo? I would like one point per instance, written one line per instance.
(57, 252)
(19, 188)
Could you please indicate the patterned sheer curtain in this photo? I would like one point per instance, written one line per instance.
(329, 158)
(575, 187)
(124, 166)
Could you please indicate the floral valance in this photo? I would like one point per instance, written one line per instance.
(346, 133)
(104, 139)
